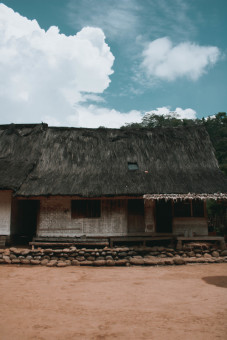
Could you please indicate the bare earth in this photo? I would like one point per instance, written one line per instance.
(184, 302)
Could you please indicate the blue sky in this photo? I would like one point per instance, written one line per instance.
(111, 61)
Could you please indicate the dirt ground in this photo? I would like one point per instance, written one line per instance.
(179, 302)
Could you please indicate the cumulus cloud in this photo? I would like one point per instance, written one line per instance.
(178, 112)
(162, 59)
(93, 116)
(45, 72)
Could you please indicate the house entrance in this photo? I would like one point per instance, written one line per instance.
(25, 220)
(163, 216)
(136, 222)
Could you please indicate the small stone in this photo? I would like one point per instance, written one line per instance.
(2, 261)
(162, 256)
(80, 258)
(122, 254)
(198, 255)
(150, 262)
(61, 264)
(178, 261)
(86, 263)
(75, 263)
(91, 258)
(169, 254)
(15, 261)
(136, 261)
(207, 256)
(48, 251)
(110, 263)
(100, 258)
(25, 261)
(12, 256)
(6, 259)
(169, 262)
(68, 262)
(35, 262)
(215, 253)
(224, 253)
(191, 253)
(44, 262)
(52, 263)
(122, 262)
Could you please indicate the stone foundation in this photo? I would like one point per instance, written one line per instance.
(124, 256)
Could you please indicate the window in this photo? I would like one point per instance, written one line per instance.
(85, 208)
(133, 166)
(193, 208)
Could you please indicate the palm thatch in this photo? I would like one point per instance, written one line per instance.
(38, 160)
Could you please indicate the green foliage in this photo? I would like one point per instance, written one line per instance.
(215, 125)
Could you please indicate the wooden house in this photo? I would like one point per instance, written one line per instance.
(79, 183)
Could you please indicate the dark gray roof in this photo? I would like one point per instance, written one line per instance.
(40, 160)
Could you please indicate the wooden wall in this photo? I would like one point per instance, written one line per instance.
(55, 219)
(5, 212)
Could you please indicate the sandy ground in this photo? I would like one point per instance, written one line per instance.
(184, 302)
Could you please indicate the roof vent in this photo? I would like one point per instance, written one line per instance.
(132, 166)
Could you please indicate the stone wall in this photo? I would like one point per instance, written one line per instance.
(5, 212)
(124, 256)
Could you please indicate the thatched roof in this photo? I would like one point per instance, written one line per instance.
(39, 160)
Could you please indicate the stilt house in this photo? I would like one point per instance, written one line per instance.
(78, 183)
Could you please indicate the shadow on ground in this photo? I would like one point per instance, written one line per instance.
(219, 281)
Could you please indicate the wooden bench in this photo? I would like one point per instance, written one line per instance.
(138, 239)
(219, 239)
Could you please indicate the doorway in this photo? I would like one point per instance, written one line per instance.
(25, 221)
(136, 221)
(163, 216)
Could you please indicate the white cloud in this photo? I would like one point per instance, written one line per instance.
(178, 112)
(93, 116)
(161, 59)
(44, 73)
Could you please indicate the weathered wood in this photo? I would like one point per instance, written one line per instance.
(220, 239)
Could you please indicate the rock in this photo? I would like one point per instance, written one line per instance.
(169, 262)
(48, 251)
(150, 262)
(224, 253)
(219, 260)
(122, 262)
(122, 254)
(179, 261)
(162, 256)
(86, 263)
(215, 253)
(100, 258)
(90, 258)
(66, 250)
(61, 264)
(169, 254)
(25, 261)
(198, 255)
(68, 262)
(44, 262)
(99, 263)
(6, 259)
(207, 256)
(15, 261)
(12, 256)
(35, 262)
(25, 252)
(52, 263)
(136, 261)
(75, 263)
(109, 257)
(110, 263)
(2, 261)
(191, 253)
(80, 258)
